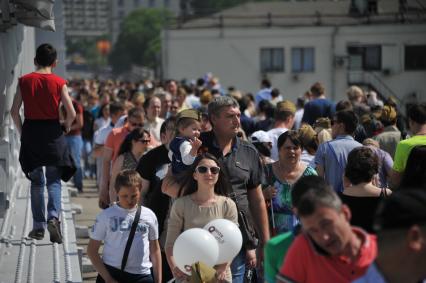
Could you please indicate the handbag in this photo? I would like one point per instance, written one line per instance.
(250, 276)
(250, 240)
(99, 279)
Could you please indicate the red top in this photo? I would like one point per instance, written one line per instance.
(115, 139)
(304, 264)
(41, 94)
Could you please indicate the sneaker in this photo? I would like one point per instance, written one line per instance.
(54, 228)
(37, 234)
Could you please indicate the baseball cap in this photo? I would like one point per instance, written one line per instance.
(260, 136)
(402, 209)
(189, 113)
(322, 123)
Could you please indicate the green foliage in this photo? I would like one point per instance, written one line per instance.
(139, 41)
(87, 50)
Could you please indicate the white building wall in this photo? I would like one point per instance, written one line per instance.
(392, 38)
(233, 55)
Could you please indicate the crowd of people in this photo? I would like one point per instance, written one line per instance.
(341, 186)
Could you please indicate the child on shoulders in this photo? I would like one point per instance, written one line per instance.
(184, 147)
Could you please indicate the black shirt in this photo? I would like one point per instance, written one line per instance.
(242, 165)
(153, 167)
(362, 210)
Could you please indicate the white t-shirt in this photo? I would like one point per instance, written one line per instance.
(113, 225)
(298, 118)
(101, 135)
(274, 135)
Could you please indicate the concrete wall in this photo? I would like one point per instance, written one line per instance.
(233, 54)
(17, 50)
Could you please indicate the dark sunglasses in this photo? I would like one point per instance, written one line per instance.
(144, 141)
(139, 125)
(203, 169)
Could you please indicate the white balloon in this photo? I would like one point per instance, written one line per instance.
(228, 237)
(194, 245)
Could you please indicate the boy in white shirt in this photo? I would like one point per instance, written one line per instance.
(112, 227)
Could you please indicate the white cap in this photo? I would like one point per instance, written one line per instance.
(260, 136)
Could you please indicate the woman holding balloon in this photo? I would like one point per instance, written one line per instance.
(203, 199)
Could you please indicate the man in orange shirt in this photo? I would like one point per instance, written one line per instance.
(329, 249)
(135, 119)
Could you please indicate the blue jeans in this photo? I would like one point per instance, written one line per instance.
(53, 183)
(75, 144)
(89, 166)
(238, 267)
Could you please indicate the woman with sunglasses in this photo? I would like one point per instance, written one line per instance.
(282, 175)
(203, 199)
(133, 147)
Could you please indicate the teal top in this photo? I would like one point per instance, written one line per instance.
(284, 219)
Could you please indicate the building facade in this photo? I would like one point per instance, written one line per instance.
(295, 44)
(86, 18)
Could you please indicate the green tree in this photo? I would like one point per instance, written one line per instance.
(86, 48)
(139, 41)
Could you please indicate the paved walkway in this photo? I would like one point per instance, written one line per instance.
(89, 202)
(23, 259)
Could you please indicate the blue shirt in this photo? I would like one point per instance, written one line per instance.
(333, 156)
(317, 108)
(372, 275)
(264, 93)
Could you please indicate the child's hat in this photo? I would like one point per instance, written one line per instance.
(189, 113)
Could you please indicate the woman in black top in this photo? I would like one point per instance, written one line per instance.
(359, 193)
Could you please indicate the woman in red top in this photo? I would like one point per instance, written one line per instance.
(42, 139)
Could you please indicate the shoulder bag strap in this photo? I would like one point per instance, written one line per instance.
(130, 239)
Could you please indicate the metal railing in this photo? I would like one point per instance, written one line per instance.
(269, 19)
(371, 80)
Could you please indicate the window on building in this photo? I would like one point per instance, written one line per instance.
(166, 3)
(372, 6)
(367, 58)
(302, 59)
(272, 60)
(415, 57)
(136, 3)
(151, 3)
(121, 14)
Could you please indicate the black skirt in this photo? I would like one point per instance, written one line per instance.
(43, 144)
